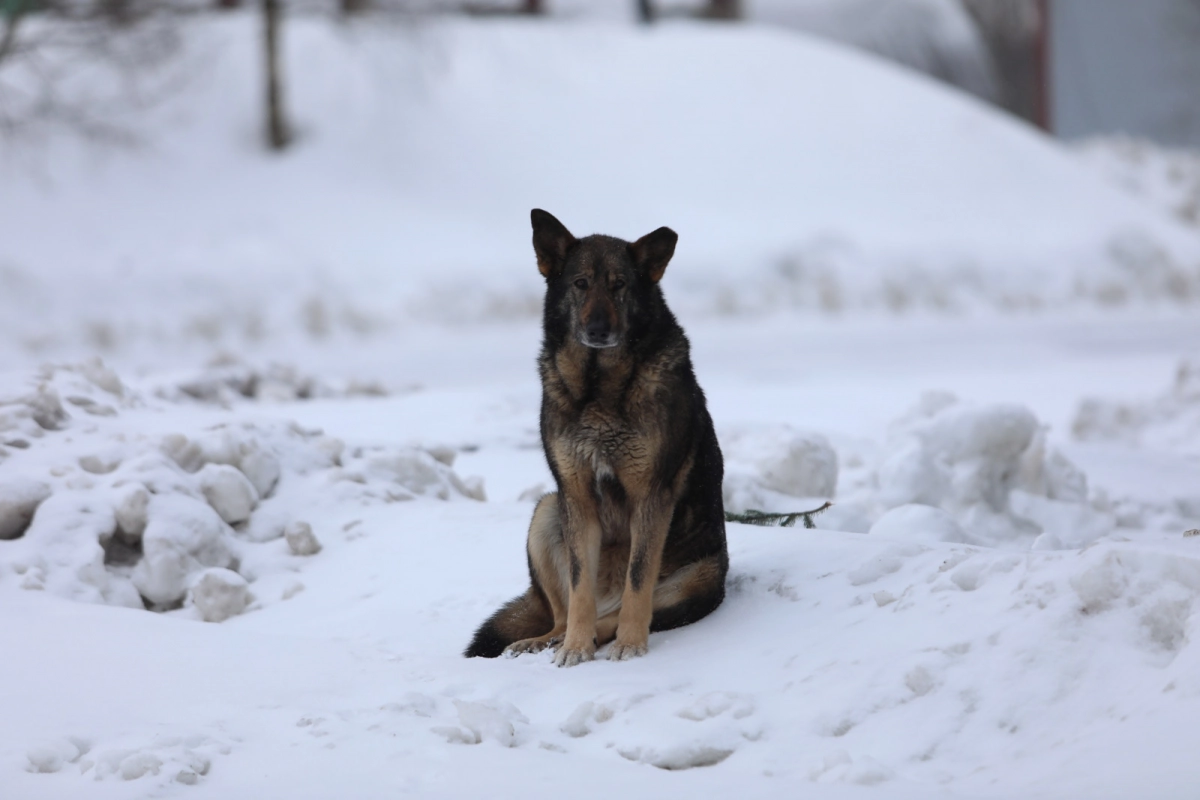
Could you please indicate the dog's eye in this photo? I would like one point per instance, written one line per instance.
(581, 283)
(618, 285)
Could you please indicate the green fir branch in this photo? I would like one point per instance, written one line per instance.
(753, 516)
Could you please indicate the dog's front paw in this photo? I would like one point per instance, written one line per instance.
(568, 656)
(623, 651)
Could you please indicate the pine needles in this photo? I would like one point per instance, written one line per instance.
(754, 517)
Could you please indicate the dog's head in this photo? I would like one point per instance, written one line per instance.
(598, 287)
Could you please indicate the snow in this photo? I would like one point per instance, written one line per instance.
(301, 540)
(1171, 420)
(773, 461)
(1167, 177)
(219, 594)
(241, 554)
(919, 523)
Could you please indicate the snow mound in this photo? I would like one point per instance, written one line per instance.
(182, 538)
(918, 523)
(169, 520)
(949, 471)
(765, 467)
(954, 471)
(1170, 421)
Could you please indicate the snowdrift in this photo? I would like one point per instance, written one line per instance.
(100, 503)
(949, 471)
(1170, 421)
(800, 175)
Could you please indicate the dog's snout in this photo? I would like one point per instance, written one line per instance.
(598, 323)
(598, 328)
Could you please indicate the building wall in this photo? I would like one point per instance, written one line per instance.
(1126, 66)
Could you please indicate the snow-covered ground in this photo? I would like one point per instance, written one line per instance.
(240, 556)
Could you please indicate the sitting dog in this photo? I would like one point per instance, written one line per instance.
(633, 541)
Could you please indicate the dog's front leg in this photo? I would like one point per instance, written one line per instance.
(648, 527)
(581, 531)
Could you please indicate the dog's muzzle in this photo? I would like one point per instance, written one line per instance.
(598, 334)
(599, 342)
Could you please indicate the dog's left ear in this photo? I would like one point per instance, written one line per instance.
(652, 252)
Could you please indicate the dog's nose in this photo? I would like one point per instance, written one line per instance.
(597, 329)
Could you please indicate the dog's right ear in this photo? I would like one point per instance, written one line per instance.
(551, 241)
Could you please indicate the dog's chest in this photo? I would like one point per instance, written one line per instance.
(606, 441)
(601, 442)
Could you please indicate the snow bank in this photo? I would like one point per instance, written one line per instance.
(96, 507)
(949, 471)
(1170, 421)
(229, 380)
(991, 471)
(1167, 177)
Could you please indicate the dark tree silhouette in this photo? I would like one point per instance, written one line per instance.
(278, 131)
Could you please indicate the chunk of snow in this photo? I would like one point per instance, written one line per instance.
(19, 499)
(182, 537)
(53, 756)
(46, 408)
(184, 452)
(219, 594)
(131, 512)
(262, 468)
(229, 492)
(301, 540)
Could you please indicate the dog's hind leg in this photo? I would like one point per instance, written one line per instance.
(690, 593)
(548, 571)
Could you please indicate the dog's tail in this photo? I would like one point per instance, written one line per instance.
(523, 617)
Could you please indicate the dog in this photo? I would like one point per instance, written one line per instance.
(633, 541)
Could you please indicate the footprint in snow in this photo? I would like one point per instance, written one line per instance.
(184, 759)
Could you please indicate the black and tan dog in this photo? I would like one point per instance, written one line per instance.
(633, 541)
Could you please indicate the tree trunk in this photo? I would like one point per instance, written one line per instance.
(1011, 32)
(534, 7)
(723, 9)
(645, 11)
(116, 11)
(278, 135)
(12, 18)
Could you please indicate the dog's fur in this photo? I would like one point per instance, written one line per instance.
(633, 541)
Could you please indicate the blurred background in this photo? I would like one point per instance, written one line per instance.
(324, 182)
